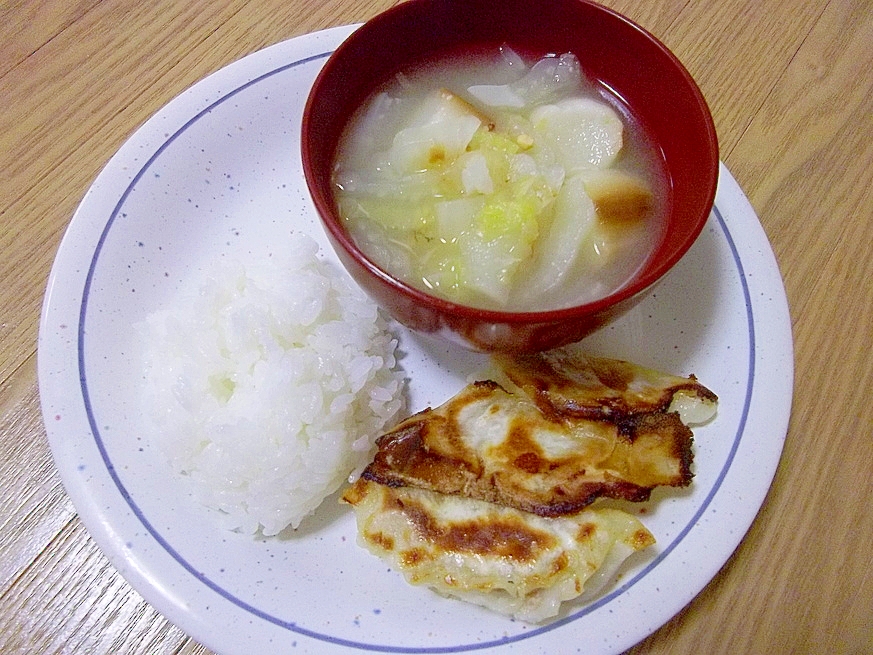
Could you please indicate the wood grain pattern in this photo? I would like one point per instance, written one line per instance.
(30, 25)
(791, 91)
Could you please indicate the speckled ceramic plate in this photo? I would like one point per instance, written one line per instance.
(217, 172)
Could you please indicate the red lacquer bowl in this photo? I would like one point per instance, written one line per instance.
(649, 79)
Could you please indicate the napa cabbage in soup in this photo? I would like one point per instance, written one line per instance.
(501, 183)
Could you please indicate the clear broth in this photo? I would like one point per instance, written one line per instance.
(371, 132)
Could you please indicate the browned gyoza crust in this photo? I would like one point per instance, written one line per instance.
(511, 561)
(566, 431)
(572, 384)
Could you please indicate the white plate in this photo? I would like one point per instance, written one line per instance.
(217, 173)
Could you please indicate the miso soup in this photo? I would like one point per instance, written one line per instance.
(501, 182)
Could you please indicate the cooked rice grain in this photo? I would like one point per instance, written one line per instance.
(268, 385)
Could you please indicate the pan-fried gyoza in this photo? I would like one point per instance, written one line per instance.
(486, 498)
(512, 562)
(556, 434)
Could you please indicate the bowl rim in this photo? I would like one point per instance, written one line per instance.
(637, 285)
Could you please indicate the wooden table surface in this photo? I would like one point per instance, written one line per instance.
(790, 85)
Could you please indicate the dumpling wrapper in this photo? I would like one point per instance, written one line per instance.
(439, 132)
(512, 562)
(557, 432)
(585, 132)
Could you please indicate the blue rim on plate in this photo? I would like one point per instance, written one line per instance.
(70, 292)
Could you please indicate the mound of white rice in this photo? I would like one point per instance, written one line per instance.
(268, 385)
